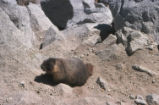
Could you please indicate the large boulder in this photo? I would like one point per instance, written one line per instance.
(73, 12)
(140, 15)
(133, 40)
(17, 18)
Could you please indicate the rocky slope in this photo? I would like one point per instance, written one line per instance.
(124, 54)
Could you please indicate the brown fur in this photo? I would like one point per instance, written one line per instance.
(26, 2)
(70, 71)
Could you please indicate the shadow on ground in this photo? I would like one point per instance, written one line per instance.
(45, 79)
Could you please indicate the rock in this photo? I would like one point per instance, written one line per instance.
(111, 52)
(51, 35)
(143, 69)
(101, 83)
(136, 15)
(140, 100)
(93, 40)
(22, 84)
(85, 34)
(19, 17)
(152, 99)
(111, 39)
(75, 12)
(64, 90)
(39, 21)
(9, 1)
(133, 40)
(132, 97)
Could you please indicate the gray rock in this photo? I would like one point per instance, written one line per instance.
(140, 100)
(111, 52)
(101, 82)
(75, 12)
(20, 18)
(64, 90)
(143, 69)
(140, 15)
(51, 35)
(152, 99)
(132, 97)
(93, 40)
(133, 40)
(111, 39)
(22, 84)
(39, 21)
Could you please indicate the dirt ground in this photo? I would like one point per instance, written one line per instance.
(29, 87)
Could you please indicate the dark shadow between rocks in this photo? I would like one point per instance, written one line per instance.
(58, 11)
(105, 30)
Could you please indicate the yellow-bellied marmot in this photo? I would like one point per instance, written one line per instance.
(70, 71)
(26, 2)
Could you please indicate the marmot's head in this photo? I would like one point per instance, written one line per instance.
(48, 65)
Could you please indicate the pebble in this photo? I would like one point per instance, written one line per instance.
(101, 83)
(22, 84)
(132, 97)
(140, 100)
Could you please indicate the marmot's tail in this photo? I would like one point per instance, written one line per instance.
(89, 67)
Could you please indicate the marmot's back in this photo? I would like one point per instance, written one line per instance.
(76, 71)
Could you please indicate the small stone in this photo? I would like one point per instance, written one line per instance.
(140, 100)
(22, 84)
(132, 97)
(82, 56)
(143, 69)
(153, 81)
(101, 83)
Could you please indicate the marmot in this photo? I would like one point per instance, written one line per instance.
(69, 71)
(26, 2)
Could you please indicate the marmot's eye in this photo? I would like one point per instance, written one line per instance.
(43, 67)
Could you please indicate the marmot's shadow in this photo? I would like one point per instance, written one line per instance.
(45, 79)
